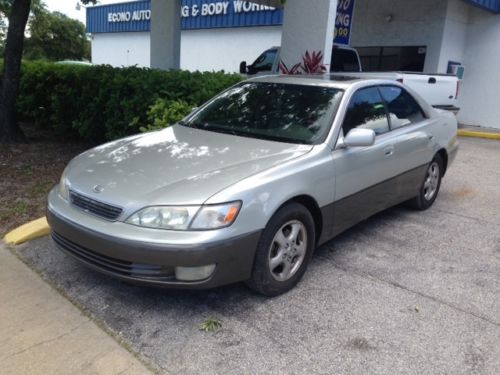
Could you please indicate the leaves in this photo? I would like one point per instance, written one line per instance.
(99, 103)
(54, 37)
(312, 63)
(165, 113)
(211, 325)
(294, 70)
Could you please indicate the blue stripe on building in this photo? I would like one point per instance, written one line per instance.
(490, 5)
(118, 18)
(208, 14)
(201, 14)
(197, 14)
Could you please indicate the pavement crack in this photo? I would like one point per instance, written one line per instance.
(43, 342)
(481, 221)
(124, 370)
(394, 284)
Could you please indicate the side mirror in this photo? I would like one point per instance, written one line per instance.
(243, 67)
(358, 137)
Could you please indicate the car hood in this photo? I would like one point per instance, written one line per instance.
(177, 165)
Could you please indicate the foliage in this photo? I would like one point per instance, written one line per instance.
(311, 64)
(17, 12)
(100, 103)
(165, 113)
(5, 7)
(210, 325)
(3, 28)
(290, 71)
(54, 36)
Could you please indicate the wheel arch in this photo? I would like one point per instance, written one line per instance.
(444, 157)
(312, 206)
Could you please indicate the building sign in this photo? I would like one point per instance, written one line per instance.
(118, 18)
(343, 21)
(136, 15)
(206, 14)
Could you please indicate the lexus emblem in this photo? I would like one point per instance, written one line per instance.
(98, 189)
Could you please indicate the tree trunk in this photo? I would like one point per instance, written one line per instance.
(9, 85)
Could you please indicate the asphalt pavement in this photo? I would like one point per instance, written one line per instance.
(404, 292)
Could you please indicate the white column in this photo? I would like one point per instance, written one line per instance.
(308, 26)
(165, 34)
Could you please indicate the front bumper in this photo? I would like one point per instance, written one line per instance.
(153, 264)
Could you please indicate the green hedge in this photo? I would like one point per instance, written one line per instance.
(100, 103)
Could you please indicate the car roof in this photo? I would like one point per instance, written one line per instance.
(328, 80)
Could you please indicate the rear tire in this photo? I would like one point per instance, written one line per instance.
(284, 250)
(430, 186)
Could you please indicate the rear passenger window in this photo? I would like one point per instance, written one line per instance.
(366, 110)
(344, 60)
(403, 108)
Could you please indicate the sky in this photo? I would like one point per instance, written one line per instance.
(68, 7)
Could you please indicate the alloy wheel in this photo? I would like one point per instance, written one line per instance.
(288, 250)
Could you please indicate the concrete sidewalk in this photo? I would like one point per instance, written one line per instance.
(41, 332)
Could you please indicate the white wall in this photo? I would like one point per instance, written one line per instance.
(308, 26)
(454, 34)
(224, 49)
(413, 23)
(480, 90)
(121, 49)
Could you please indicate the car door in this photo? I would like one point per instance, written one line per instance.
(412, 139)
(364, 175)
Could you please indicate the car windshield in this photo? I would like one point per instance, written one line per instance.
(273, 111)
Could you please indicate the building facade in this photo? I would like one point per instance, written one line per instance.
(431, 36)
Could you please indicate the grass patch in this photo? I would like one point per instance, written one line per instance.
(211, 325)
(20, 208)
(42, 188)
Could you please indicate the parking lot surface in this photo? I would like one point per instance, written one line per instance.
(404, 292)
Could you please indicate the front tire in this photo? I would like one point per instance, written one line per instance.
(284, 250)
(430, 186)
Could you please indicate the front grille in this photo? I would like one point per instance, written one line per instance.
(87, 204)
(113, 265)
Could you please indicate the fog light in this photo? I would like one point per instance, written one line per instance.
(194, 273)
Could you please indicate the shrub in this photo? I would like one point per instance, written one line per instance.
(100, 103)
(165, 113)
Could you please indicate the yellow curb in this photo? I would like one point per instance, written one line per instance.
(27, 232)
(478, 134)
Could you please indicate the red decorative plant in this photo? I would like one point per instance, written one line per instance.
(290, 71)
(312, 63)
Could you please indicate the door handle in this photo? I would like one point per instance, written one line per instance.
(388, 151)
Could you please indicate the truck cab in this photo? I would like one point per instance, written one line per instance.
(344, 59)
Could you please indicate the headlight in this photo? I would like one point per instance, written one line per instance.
(185, 218)
(64, 186)
(216, 216)
(177, 218)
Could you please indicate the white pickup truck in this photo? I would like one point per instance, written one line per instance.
(439, 90)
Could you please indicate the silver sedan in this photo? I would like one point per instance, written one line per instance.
(248, 185)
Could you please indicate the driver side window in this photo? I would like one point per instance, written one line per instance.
(265, 61)
(366, 111)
